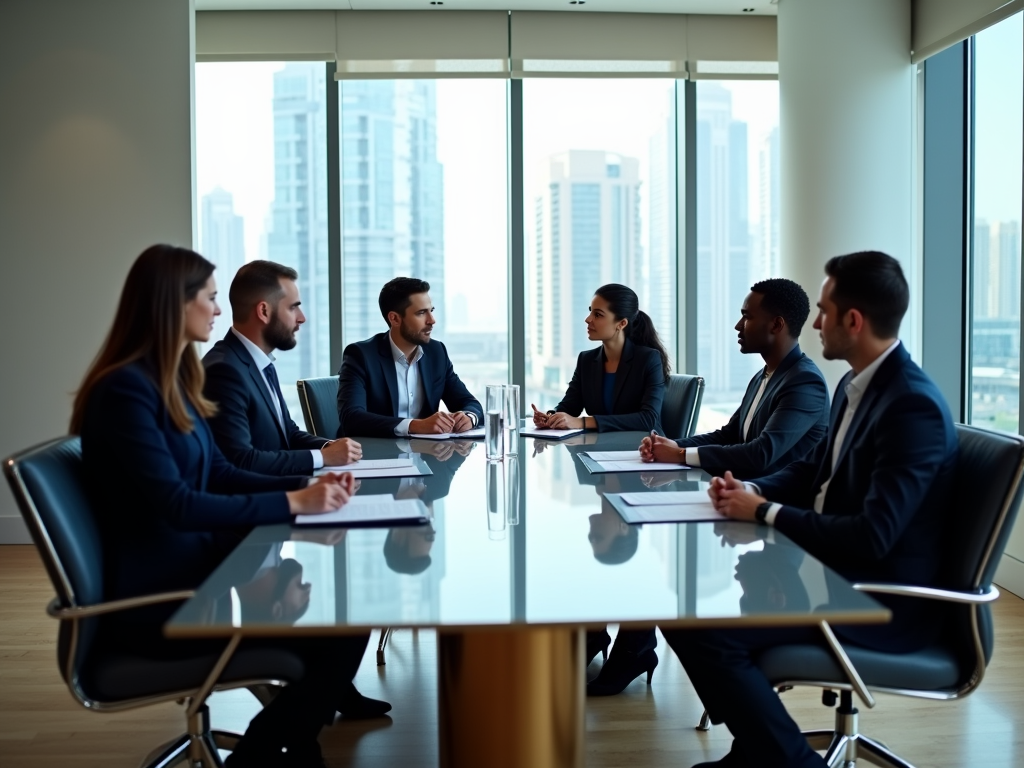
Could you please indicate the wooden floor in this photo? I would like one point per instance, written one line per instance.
(40, 724)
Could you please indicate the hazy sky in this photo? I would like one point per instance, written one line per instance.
(998, 116)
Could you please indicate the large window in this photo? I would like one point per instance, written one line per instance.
(996, 299)
(261, 178)
(599, 183)
(424, 194)
(424, 175)
(737, 228)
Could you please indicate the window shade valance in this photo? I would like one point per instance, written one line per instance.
(938, 24)
(434, 44)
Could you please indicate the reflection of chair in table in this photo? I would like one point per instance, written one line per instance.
(47, 483)
(988, 493)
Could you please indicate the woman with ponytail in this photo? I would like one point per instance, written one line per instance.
(620, 384)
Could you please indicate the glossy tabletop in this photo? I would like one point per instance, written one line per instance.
(525, 542)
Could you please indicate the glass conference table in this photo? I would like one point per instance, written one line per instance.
(520, 556)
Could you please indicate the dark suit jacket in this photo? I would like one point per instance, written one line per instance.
(368, 388)
(161, 495)
(789, 421)
(638, 394)
(246, 427)
(886, 506)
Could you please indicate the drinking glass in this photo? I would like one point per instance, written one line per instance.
(494, 408)
(511, 419)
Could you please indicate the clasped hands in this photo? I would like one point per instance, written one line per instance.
(441, 423)
(326, 493)
(558, 420)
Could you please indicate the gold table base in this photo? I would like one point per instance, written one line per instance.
(511, 698)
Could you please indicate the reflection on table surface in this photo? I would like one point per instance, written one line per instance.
(525, 541)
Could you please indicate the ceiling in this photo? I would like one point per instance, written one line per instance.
(728, 7)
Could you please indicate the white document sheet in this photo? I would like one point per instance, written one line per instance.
(675, 513)
(366, 468)
(629, 461)
(548, 434)
(663, 499)
(377, 508)
(469, 434)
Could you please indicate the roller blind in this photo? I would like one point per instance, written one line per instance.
(265, 36)
(555, 44)
(382, 44)
(938, 24)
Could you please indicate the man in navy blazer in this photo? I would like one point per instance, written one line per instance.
(253, 427)
(394, 383)
(784, 411)
(870, 502)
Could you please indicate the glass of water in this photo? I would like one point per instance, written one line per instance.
(494, 409)
(511, 419)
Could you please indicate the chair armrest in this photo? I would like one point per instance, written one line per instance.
(57, 611)
(930, 593)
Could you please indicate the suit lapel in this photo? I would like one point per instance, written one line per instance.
(621, 373)
(257, 379)
(775, 382)
(429, 398)
(387, 366)
(748, 399)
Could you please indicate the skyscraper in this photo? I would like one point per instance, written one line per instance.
(222, 241)
(298, 234)
(723, 241)
(587, 234)
(768, 159)
(983, 283)
(661, 251)
(393, 196)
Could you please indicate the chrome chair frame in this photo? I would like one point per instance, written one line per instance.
(845, 744)
(198, 744)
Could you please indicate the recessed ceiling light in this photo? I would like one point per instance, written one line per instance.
(748, 10)
(577, 2)
(437, 2)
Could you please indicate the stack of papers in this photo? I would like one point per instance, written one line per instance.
(371, 510)
(366, 468)
(469, 434)
(548, 434)
(675, 507)
(624, 461)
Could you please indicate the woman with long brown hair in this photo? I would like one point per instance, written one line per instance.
(170, 506)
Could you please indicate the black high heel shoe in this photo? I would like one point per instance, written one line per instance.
(620, 670)
(598, 642)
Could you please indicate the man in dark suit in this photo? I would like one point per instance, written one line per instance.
(393, 383)
(784, 411)
(253, 427)
(870, 502)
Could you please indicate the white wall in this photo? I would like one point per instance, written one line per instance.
(95, 164)
(846, 130)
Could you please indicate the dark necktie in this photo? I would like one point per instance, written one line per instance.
(275, 387)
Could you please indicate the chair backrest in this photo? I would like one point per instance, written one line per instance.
(48, 484)
(681, 406)
(319, 401)
(987, 492)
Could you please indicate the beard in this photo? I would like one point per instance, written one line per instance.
(278, 335)
(413, 338)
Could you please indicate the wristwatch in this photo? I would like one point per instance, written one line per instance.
(762, 511)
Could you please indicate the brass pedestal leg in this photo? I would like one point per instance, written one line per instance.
(511, 698)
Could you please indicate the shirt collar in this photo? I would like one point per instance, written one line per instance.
(399, 355)
(261, 358)
(859, 384)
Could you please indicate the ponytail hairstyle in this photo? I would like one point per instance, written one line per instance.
(624, 304)
(150, 325)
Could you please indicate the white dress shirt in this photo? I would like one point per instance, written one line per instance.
(855, 390)
(693, 454)
(410, 386)
(262, 360)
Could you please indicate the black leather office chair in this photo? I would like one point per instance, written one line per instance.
(319, 401)
(681, 406)
(987, 496)
(47, 483)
